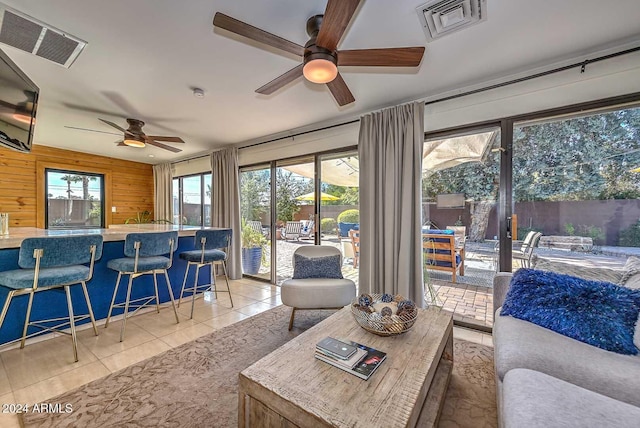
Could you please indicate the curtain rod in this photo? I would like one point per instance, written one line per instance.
(581, 64)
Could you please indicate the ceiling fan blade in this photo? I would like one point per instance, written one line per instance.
(249, 31)
(169, 139)
(390, 57)
(113, 124)
(281, 81)
(92, 130)
(162, 146)
(340, 91)
(337, 16)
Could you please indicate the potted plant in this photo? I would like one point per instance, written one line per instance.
(253, 243)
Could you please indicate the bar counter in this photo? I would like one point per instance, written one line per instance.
(52, 303)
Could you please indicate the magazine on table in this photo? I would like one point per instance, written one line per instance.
(364, 368)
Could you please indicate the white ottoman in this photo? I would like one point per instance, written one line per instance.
(316, 293)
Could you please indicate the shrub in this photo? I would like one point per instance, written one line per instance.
(630, 237)
(349, 216)
(328, 225)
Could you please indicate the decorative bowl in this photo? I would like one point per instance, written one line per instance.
(370, 313)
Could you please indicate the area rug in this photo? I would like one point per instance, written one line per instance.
(195, 385)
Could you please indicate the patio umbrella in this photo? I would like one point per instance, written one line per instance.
(323, 197)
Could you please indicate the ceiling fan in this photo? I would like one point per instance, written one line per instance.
(320, 59)
(135, 137)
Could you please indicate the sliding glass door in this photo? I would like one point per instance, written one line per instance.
(460, 193)
(295, 211)
(296, 202)
(339, 208)
(255, 211)
(576, 183)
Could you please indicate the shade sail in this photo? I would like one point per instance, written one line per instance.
(311, 197)
(436, 155)
(342, 171)
(449, 152)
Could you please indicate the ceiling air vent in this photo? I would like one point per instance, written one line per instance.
(441, 17)
(30, 35)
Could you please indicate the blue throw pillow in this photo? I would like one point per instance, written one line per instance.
(317, 267)
(599, 313)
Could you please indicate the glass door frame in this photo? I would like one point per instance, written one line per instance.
(272, 165)
(506, 125)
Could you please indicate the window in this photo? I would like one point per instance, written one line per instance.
(74, 200)
(192, 200)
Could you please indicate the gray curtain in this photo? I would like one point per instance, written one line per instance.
(225, 203)
(390, 153)
(162, 179)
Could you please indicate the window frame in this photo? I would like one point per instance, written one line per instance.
(203, 184)
(70, 172)
(41, 190)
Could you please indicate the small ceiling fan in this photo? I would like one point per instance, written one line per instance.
(135, 137)
(320, 59)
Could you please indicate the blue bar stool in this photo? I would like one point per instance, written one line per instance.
(145, 255)
(51, 263)
(214, 245)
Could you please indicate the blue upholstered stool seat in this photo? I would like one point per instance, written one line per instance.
(209, 256)
(126, 264)
(50, 263)
(145, 255)
(213, 245)
(23, 278)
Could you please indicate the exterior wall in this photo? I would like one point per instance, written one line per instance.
(128, 185)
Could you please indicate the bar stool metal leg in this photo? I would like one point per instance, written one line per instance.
(226, 277)
(155, 286)
(195, 288)
(173, 302)
(184, 283)
(72, 323)
(26, 321)
(5, 308)
(113, 299)
(126, 308)
(86, 298)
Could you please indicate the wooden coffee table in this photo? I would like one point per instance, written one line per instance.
(290, 388)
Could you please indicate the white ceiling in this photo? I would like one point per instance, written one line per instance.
(144, 56)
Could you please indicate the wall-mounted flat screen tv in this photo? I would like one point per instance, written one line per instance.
(450, 200)
(18, 105)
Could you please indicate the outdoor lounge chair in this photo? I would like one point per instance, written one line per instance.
(307, 231)
(440, 252)
(292, 230)
(526, 250)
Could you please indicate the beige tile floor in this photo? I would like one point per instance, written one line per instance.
(45, 369)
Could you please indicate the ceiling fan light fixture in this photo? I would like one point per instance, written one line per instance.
(134, 141)
(320, 71)
(320, 65)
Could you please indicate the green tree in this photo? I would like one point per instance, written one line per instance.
(289, 186)
(254, 193)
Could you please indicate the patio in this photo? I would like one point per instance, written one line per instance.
(470, 299)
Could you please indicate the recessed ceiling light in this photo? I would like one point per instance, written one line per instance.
(152, 156)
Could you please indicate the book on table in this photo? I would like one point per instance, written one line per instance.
(368, 360)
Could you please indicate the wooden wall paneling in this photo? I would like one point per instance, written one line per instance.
(128, 185)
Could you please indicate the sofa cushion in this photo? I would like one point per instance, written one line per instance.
(317, 267)
(593, 273)
(533, 399)
(521, 344)
(631, 273)
(599, 313)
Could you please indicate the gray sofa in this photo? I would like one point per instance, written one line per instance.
(545, 379)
